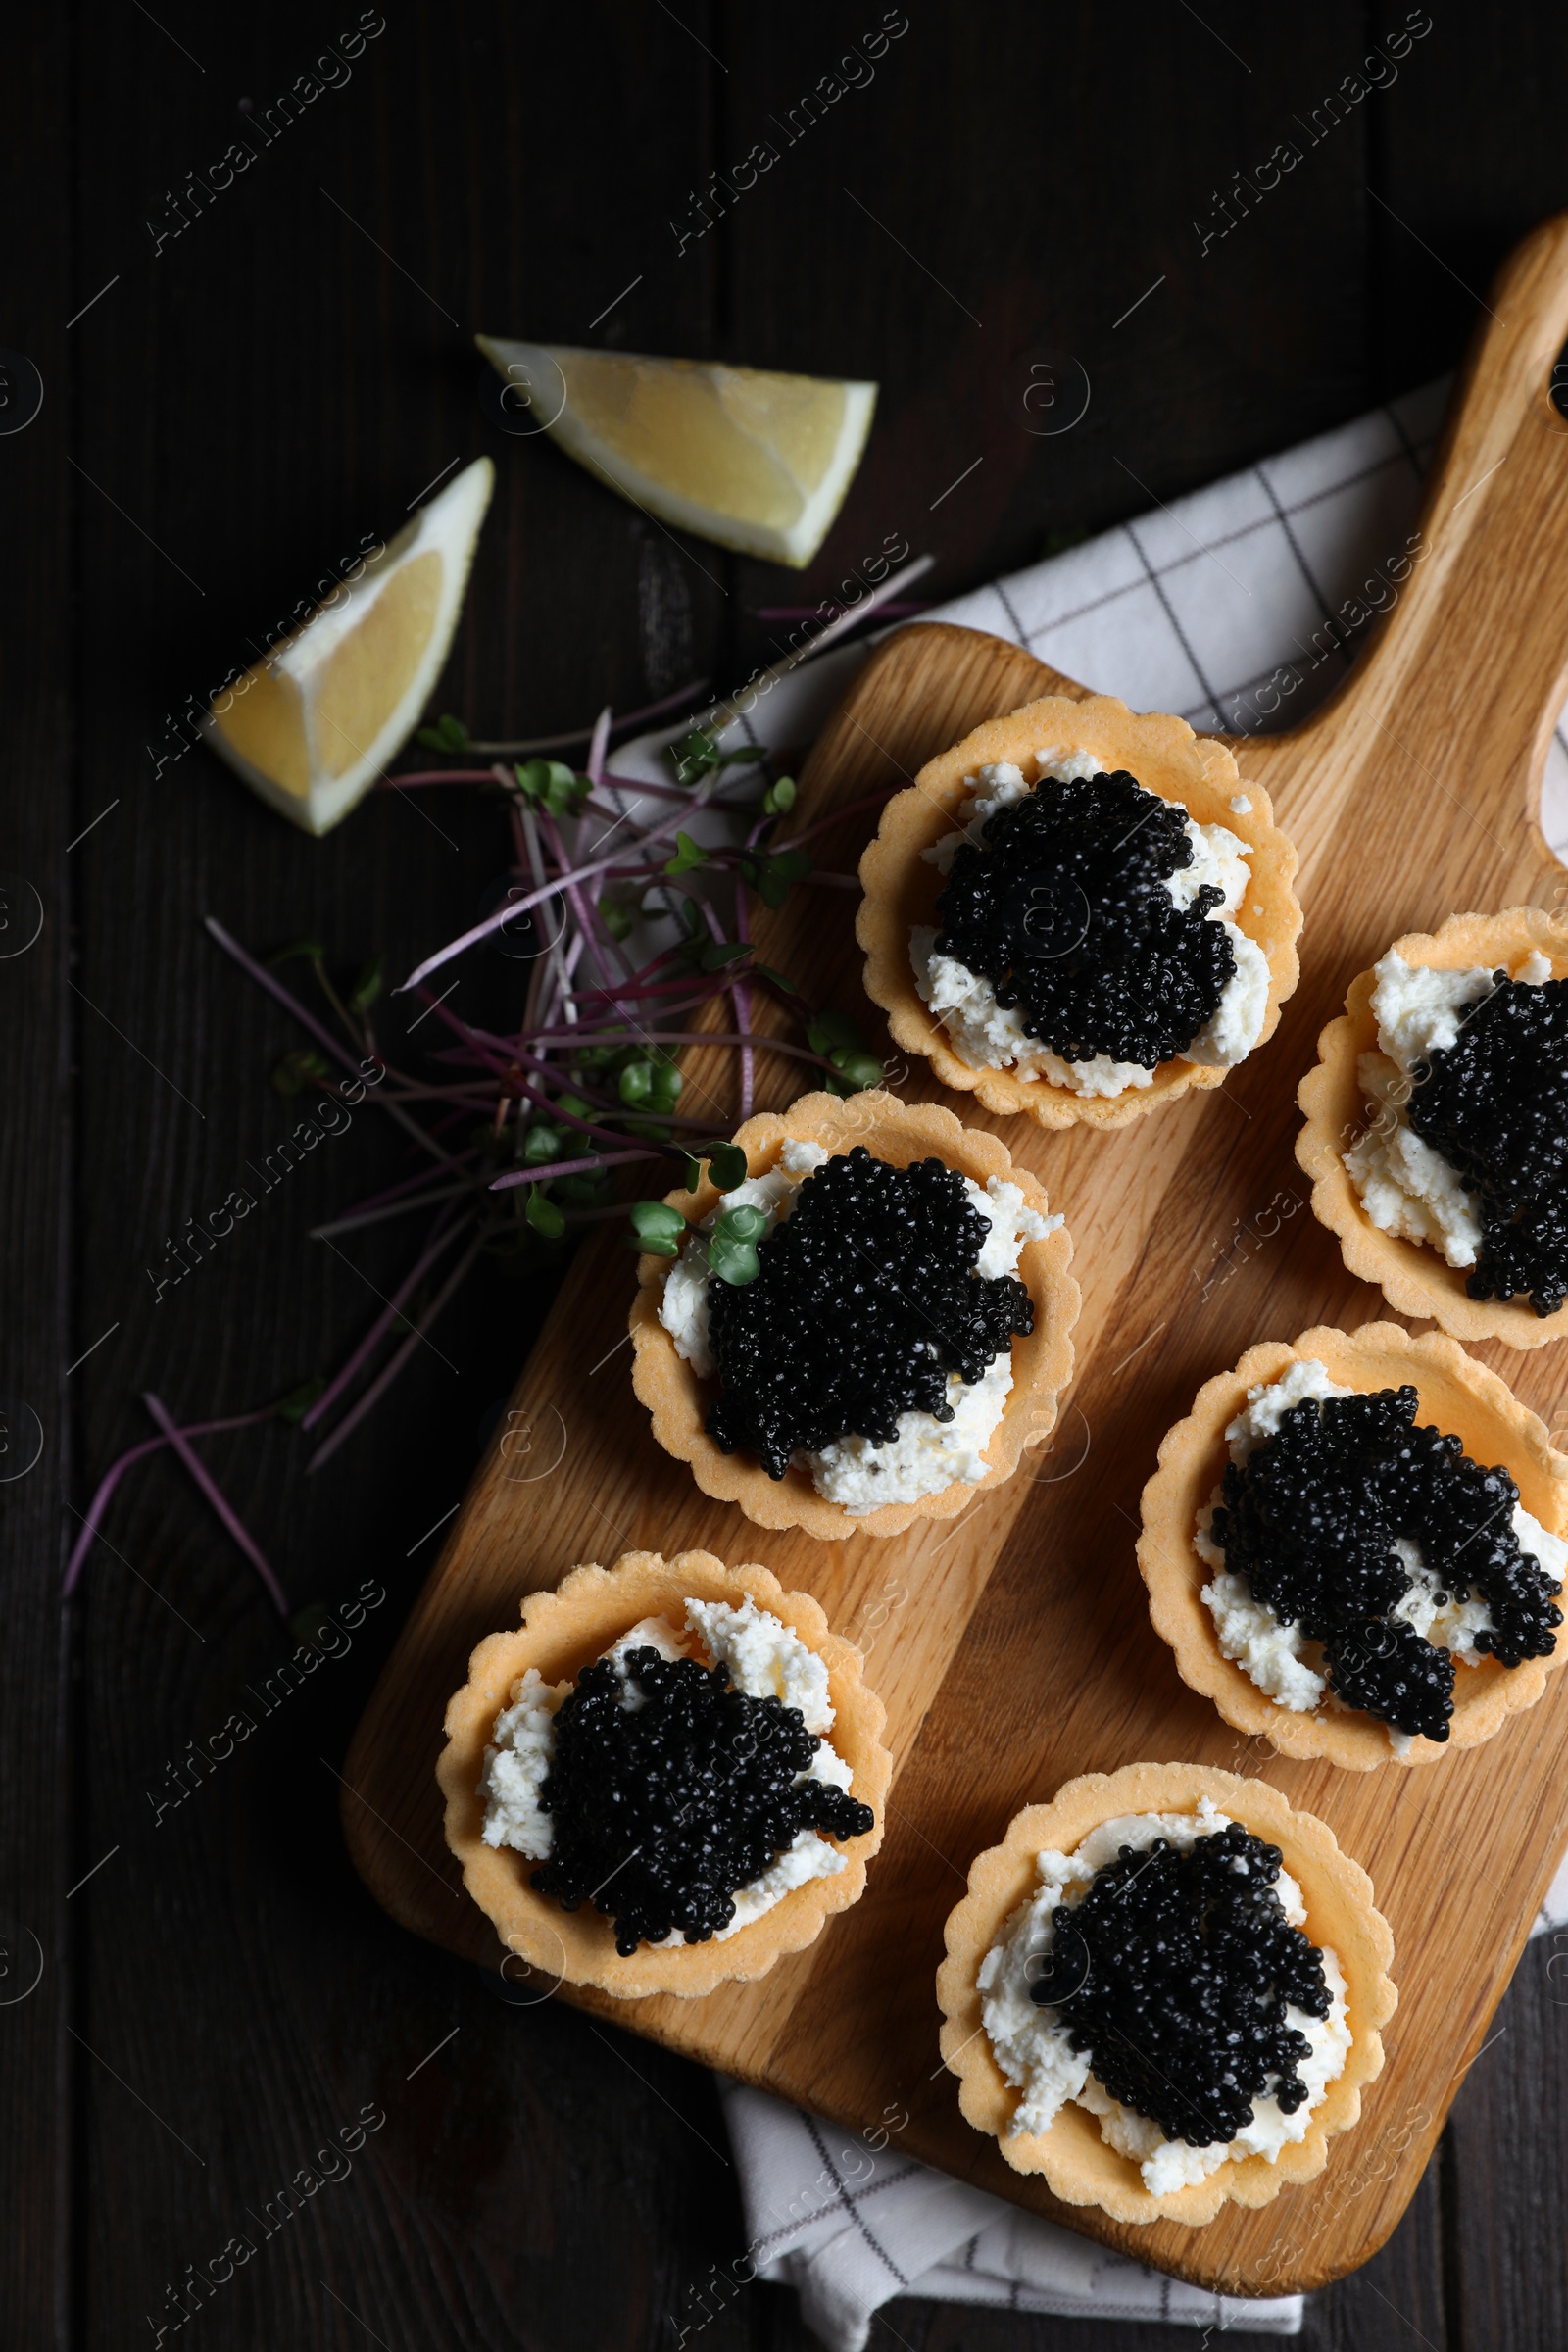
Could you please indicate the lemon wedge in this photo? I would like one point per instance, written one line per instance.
(313, 725)
(757, 460)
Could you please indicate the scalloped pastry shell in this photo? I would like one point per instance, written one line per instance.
(1413, 1278)
(1165, 756)
(562, 1631)
(1078, 2166)
(1041, 1364)
(1459, 1394)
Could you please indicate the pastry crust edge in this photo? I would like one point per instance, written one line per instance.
(1459, 1394)
(565, 1630)
(1166, 755)
(1412, 1276)
(1077, 2165)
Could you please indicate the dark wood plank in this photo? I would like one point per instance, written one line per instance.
(37, 1856)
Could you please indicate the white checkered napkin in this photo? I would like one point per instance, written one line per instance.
(850, 2228)
(1240, 605)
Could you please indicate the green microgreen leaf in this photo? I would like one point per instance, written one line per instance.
(542, 1143)
(839, 1041)
(298, 1403)
(367, 987)
(689, 855)
(311, 948)
(449, 734)
(829, 1032)
(732, 1245)
(550, 785)
(719, 951)
(308, 1624)
(658, 1227)
(698, 754)
(543, 1214)
(858, 1070)
(770, 876)
(779, 798)
(779, 979)
(296, 1070)
(726, 1165)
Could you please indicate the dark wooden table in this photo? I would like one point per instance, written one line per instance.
(239, 386)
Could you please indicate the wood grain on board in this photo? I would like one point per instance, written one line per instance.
(1012, 1647)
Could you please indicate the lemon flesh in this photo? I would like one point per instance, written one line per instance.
(757, 460)
(311, 727)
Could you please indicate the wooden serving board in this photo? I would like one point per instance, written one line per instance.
(1012, 1646)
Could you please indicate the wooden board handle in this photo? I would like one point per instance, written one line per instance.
(1471, 661)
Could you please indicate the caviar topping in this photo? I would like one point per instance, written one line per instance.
(1309, 1520)
(1063, 908)
(663, 1809)
(865, 1300)
(1496, 1104)
(1173, 1973)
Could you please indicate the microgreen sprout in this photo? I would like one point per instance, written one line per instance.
(732, 1244)
(689, 855)
(655, 1227)
(518, 1138)
(449, 734)
(726, 1165)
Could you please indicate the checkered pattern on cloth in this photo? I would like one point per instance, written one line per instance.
(1239, 606)
(852, 2228)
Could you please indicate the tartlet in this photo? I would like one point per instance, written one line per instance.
(900, 886)
(1456, 1394)
(1413, 1275)
(902, 1135)
(564, 1631)
(1077, 2164)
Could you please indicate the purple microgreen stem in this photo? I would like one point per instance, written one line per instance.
(444, 1234)
(384, 1379)
(618, 726)
(125, 1461)
(323, 1034)
(566, 1167)
(209, 1486)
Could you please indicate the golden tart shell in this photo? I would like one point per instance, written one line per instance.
(565, 1631)
(1455, 1392)
(901, 1132)
(900, 889)
(1414, 1277)
(1077, 2165)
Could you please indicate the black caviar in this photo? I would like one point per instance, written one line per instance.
(1496, 1104)
(1173, 1973)
(1309, 1519)
(865, 1301)
(1065, 911)
(660, 1811)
